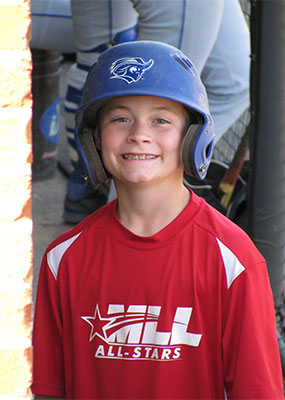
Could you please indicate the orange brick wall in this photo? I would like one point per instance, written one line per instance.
(15, 200)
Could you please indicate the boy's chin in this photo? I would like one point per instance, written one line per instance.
(133, 179)
(138, 180)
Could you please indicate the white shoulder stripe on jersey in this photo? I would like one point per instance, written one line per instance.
(55, 255)
(233, 267)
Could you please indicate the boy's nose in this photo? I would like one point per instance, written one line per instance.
(139, 132)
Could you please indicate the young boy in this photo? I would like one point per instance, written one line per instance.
(155, 295)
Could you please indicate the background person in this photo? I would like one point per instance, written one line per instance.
(213, 33)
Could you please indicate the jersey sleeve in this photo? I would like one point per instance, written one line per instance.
(48, 366)
(251, 358)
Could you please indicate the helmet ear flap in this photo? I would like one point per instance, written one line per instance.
(91, 158)
(196, 152)
(188, 149)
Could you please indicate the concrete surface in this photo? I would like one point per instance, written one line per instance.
(47, 208)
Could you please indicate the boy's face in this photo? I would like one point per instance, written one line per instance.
(141, 139)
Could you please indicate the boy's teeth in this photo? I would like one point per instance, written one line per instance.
(138, 156)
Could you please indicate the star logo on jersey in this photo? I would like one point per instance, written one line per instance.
(133, 333)
(130, 69)
(98, 324)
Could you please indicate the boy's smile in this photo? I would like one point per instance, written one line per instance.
(138, 156)
(141, 138)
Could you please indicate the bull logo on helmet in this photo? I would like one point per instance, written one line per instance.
(130, 69)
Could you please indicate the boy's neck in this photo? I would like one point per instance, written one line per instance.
(147, 211)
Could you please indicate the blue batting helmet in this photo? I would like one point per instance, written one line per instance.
(152, 69)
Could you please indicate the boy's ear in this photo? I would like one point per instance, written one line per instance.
(97, 138)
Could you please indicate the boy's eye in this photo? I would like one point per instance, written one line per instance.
(121, 119)
(161, 121)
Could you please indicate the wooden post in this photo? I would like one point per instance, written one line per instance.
(15, 200)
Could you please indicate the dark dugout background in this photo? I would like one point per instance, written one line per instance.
(266, 189)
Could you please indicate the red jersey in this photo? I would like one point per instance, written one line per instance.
(185, 314)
